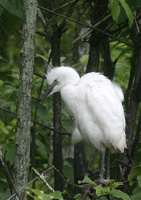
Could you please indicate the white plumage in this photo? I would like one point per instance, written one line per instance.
(96, 104)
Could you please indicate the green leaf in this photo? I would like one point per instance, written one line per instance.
(1, 10)
(68, 172)
(136, 196)
(10, 23)
(41, 56)
(77, 197)
(41, 146)
(100, 191)
(88, 180)
(116, 184)
(115, 9)
(139, 180)
(13, 6)
(119, 194)
(62, 59)
(84, 59)
(35, 191)
(135, 171)
(57, 195)
(103, 198)
(128, 12)
(40, 194)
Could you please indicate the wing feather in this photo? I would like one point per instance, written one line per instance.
(107, 122)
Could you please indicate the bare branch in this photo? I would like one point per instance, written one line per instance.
(136, 141)
(88, 32)
(42, 178)
(43, 21)
(39, 33)
(7, 174)
(67, 4)
(88, 26)
(22, 188)
(69, 13)
(40, 124)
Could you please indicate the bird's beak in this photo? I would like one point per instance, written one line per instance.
(49, 90)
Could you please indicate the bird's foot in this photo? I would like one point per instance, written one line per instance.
(102, 181)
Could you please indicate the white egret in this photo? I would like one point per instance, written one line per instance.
(96, 104)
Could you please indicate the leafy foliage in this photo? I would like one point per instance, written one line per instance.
(14, 7)
(41, 196)
(108, 190)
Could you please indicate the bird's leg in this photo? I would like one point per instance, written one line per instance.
(102, 162)
(107, 162)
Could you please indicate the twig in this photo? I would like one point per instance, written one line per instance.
(69, 13)
(136, 140)
(40, 124)
(137, 25)
(39, 75)
(13, 113)
(43, 21)
(42, 178)
(39, 33)
(22, 188)
(7, 174)
(122, 163)
(74, 185)
(88, 26)
(88, 32)
(121, 171)
(67, 4)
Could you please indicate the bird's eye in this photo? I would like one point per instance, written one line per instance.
(55, 81)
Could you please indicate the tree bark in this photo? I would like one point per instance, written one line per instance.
(22, 154)
(97, 12)
(57, 138)
(134, 101)
(108, 67)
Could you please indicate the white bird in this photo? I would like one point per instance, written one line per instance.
(96, 104)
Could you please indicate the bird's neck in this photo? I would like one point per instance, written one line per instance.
(69, 95)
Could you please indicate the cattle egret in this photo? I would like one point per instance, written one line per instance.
(96, 104)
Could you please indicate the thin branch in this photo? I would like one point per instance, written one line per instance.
(22, 188)
(8, 111)
(40, 124)
(137, 24)
(88, 32)
(39, 33)
(69, 13)
(7, 174)
(42, 178)
(88, 26)
(67, 4)
(39, 75)
(136, 140)
(64, 179)
(33, 129)
(44, 172)
(43, 21)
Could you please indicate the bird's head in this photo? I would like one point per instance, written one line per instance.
(58, 78)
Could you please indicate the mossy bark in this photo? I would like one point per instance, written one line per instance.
(22, 151)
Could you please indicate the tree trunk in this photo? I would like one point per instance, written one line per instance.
(79, 159)
(22, 153)
(57, 138)
(94, 53)
(108, 67)
(134, 101)
(79, 166)
(97, 13)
